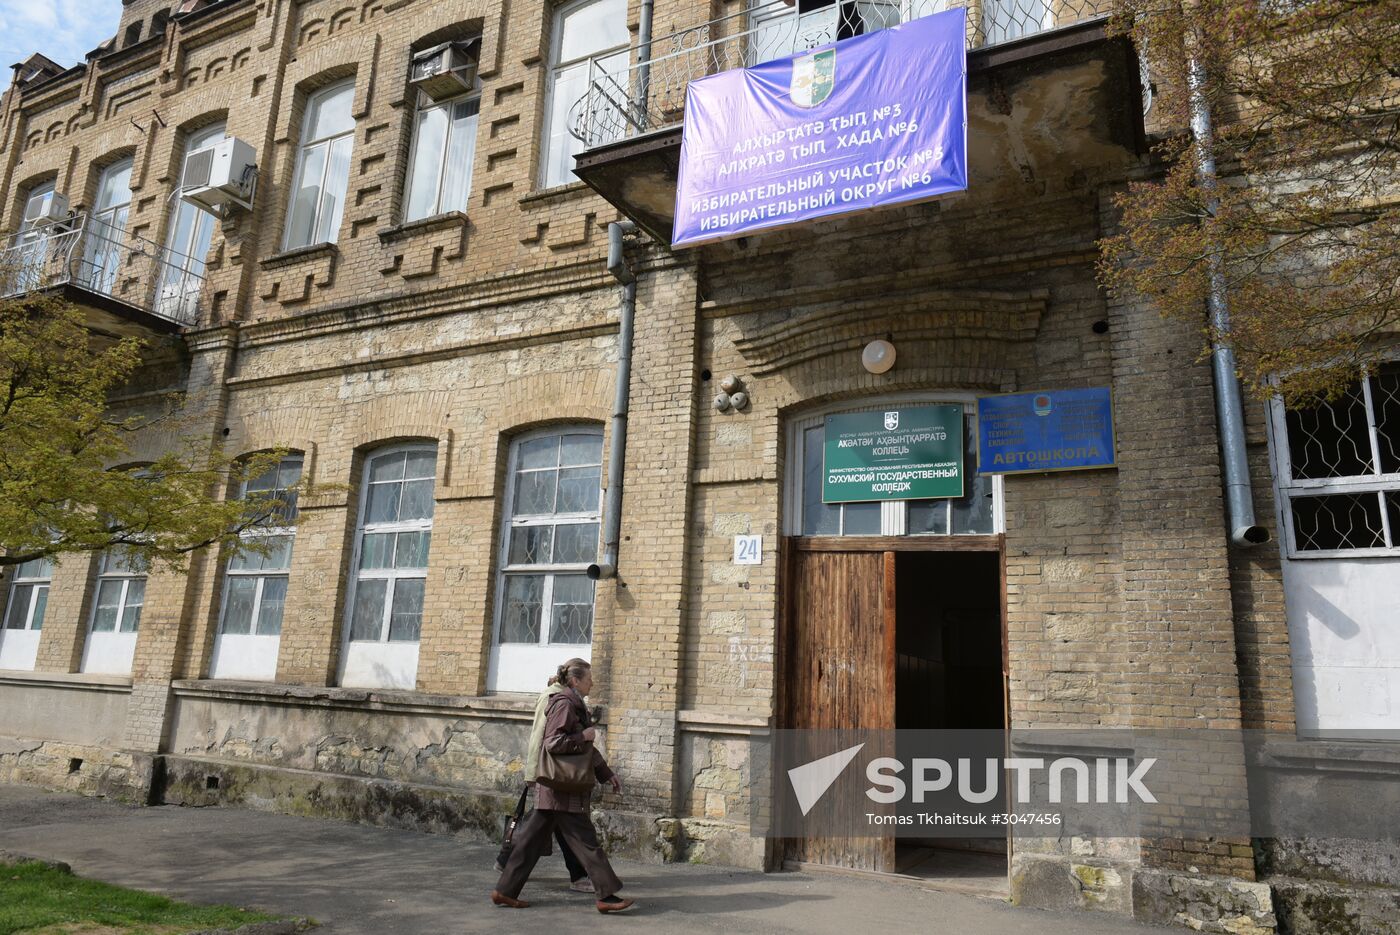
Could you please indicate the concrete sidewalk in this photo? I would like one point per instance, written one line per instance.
(358, 880)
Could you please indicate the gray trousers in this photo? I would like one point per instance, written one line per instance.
(532, 837)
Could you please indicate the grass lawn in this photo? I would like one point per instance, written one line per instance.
(36, 898)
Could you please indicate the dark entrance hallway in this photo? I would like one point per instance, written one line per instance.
(897, 633)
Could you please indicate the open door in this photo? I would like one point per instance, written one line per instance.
(840, 669)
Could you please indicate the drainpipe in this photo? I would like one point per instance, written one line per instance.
(612, 506)
(644, 61)
(1229, 410)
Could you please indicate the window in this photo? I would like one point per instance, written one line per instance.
(323, 168)
(1337, 474)
(549, 540)
(778, 29)
(191, 230)
(121, 591)
(255, 588)
(1004, 20)
(444, 144)
(396, 522)
(29, 256)
(589, 41)
(106, 233)
(1340, 471)
(977, 512)
(29, 595)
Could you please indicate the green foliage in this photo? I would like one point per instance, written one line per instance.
(35, 895)
(67, 478)
(1305, 98)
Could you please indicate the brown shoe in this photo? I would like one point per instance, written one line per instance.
(501, 899)
(614, 904)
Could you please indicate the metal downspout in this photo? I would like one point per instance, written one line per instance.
(617, 452)
(1229, 410)
(644, 63)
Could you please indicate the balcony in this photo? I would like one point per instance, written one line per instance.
(127, 284)
(628, 123)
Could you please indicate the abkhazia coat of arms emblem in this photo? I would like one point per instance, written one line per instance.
(813, 78)
(891, 421)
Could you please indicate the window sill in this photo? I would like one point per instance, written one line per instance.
(298, 254)
(1340, 755)
(76, 680)
(558, 193)
(436, 222)
(513, 707)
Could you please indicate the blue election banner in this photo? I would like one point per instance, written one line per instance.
(1053, 430)
(867, 122)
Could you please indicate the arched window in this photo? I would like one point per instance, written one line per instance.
(187, 247)
(550, 536)
(29, 257)
(323, 167)
(391, 567)
(116, 612)
(24, 614)
(105, 238)
(255, 586)
(589, 40)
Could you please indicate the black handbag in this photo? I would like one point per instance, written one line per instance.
(508, 829)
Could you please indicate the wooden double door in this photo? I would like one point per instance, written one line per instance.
(840, 652)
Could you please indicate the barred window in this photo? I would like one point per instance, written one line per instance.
(1339, 470)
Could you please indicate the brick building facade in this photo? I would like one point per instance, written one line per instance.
(460, 355)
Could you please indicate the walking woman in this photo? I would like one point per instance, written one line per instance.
(567, 731)
(578, 876)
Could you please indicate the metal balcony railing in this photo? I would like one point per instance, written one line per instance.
(100, 257)
(650, 95)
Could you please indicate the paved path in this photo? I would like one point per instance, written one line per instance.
(358, 880)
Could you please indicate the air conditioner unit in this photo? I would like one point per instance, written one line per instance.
(445, 70)
(40, 211)
(219, 175)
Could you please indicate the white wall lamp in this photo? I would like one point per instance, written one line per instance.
(878, 356)
(732, 397)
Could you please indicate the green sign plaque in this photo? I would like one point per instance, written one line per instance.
(894, 454)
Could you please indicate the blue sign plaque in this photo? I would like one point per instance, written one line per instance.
(1051, 430)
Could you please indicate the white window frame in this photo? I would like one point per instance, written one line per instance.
(894, 514)
(110, 652)
(1289, 488)
(105, 238)
(34, 583)
(392, 575)
(556, 69)
(424, 104)
(288, 530)
(183, 268)
(509, 522)
(304, 145)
